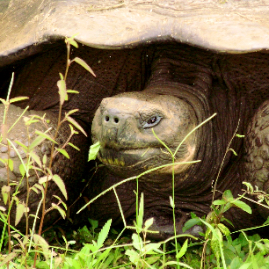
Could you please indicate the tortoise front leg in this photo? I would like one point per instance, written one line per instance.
(257, 146)
(36, 161)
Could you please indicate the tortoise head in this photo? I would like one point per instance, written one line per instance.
(133, 127)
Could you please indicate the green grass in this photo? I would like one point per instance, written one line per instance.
(104, 247)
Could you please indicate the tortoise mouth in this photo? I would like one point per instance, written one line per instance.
(126, 158)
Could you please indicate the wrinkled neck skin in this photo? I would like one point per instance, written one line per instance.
(199, 89)
(184, 173)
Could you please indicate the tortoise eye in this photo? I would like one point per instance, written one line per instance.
(153, 121)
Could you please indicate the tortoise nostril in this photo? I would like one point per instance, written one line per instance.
(106, 118)
(116, 119)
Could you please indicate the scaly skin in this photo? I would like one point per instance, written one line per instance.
(61, 165)
(233, 86)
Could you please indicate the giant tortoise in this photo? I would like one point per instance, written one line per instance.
(162, 66)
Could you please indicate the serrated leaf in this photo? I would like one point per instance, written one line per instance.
(60, 210)
(18, 99)
(59, 182)
(5, 191)
(242, 205)
(72, 121)
(94, 151)
(84, 65)
(183, 250)
(62, 90)
(103, 234)
(64, 152)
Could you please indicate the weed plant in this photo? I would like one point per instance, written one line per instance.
(105, 247)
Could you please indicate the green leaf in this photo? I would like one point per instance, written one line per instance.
(224, 229)
(245, 266)
(172, 204)
(84, 65)
(73, 146)
(183, 250)
(72, 121)
(140, 215)
(22, 145)
(71, 41)
(5, 191)
(64, 152)
(219, 202)
(3, 101)
(36, 158)
(228, 196)
(10, 164)
(21, 208)
(60, 200)
(59, 182)
(60, 210)
(8, 258)
(62, 90)
(18, 99)
(190, 223)
(137, 242)
(94, 151)
(22, 170)
(233, 151)
(103, 234)
(44, 135)
(240, 136)
(242, 205)
(73, 91)
(39, 240)
(44, 179)
(70, 112)
(148, 223)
